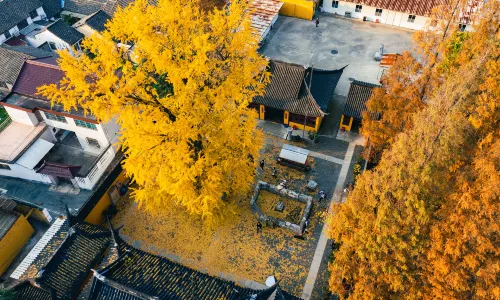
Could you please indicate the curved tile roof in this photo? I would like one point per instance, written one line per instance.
(417, 7)
(358, 95)
(288, 89)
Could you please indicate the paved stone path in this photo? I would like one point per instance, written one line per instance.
(320, 248)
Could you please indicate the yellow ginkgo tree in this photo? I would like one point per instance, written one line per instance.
(178, 80)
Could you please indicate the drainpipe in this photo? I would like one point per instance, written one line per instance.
(310, 83)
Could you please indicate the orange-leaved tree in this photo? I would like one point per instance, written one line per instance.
(180, 95)
(424, 222)
(407, 86)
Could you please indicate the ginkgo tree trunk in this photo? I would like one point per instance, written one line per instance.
(180, 95)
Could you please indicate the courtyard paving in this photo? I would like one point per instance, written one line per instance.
(299, 41)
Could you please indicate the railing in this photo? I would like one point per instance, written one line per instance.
(4, 123)
(97, 170)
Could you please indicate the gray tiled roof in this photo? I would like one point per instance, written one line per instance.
(88, 7)
(71, 264)
(358, 95)
(98, 20)
(65, 32)
(14, 11)
(84, 7)
(12, 60)
(51, 7)
(288, 89)
(137, 274)
(7, 219)
(26, 290)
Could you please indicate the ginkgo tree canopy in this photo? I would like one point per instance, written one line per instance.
(180, 92)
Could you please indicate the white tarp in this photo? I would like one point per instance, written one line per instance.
(35, 153)
(293, 153)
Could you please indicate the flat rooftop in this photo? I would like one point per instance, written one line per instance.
(69, 152)
(33, 103)
(16, 138)
(39, 194)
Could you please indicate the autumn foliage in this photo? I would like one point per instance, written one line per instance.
(408, 84)
(178, 81)
(424, 223)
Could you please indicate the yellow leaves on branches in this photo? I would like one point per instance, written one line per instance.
(180, 95)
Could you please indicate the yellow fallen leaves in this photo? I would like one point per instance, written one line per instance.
(292, 212)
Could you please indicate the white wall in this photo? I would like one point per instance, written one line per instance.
(82, 133)
(19, 171)
(21, 116)
(49, 135)
(269, 28)
(22, 172)
(46, 36)
(389, 17)
(97, 171)
(111, 130)
(15, 31)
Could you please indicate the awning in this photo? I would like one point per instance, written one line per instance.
(35, 153)
(59, 170)
(293, 153)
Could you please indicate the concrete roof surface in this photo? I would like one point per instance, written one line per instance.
(16, 138)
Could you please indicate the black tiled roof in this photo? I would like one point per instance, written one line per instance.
(26, 290)
(7, 219)
(65, 32)
(323, 84)
(358, 95)
(12, 59)
(51, 7)
(98, 20)
(288, 89)
(283, 295)
(106, 289)
(84, 7)
(15, 11)
(156, 276)
(70, 265)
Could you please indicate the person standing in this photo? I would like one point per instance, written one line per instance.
(317, 22)
(259, 227)
(262, 165)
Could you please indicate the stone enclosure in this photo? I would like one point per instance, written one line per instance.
(279, 190)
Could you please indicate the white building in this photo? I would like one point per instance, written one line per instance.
(46, 144)
(15, 15)
(58, 35)
(411, 14)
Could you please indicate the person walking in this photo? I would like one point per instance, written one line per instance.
(259, 227)
(317, 22)
(262, 165)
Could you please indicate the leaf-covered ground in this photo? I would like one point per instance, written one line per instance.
(234, 247)
(292, 209)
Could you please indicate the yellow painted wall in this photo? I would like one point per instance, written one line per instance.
(298, 8)
(346, 127)
(12, 243)
(96, 216)
(308, 128)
